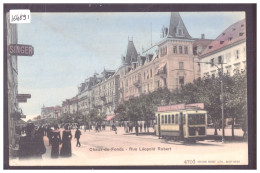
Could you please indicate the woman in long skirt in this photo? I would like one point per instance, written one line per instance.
(66, 143)
(55, 142)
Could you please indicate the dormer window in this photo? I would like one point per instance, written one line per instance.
(221, 42)
(179, 30)
(230, 38)
(242, 25)
(210, 47)
(241, 34)
(223, 33)
(234, 29)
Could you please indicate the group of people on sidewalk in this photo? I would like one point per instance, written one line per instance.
(32, 144)
(130, 126)
(55, 141)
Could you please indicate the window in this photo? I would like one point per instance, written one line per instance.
(162, 119)
(236, 68)
(172, 119)
(144, 75)
(186, 50)
(151, 71)
(181, 65)
(176, 119)
(181, 80)
(237, 54)
(180, 49)
(212, 62)
(228, 56)
(180, 31)
(175, 49)
(165, 116)
(228, 70)
(169, 119)
(206, 74)
(220, 59)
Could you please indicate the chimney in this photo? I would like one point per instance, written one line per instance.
(202, 36)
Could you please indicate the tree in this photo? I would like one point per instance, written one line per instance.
(236, 98)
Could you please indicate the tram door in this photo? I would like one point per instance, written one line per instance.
(181, 126)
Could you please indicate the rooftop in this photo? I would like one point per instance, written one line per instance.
(232, 34)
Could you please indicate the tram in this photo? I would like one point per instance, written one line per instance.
(186, 122)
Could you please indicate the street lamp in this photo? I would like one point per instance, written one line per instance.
(221, 95)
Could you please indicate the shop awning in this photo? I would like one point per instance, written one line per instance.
(110, 117)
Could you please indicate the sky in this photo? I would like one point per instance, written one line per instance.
(70, 47)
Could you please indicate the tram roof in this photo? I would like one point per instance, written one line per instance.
(180, 107)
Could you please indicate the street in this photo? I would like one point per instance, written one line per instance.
(105, 148)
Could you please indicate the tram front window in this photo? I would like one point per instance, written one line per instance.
(195, 119)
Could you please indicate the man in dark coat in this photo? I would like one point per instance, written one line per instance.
(77, 136)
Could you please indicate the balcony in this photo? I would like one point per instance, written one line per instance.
(138, 84)
(103, 98)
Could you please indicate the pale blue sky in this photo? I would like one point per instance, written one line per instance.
(70, 47)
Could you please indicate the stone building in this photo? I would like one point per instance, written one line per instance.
(50, 112)
(229, 48)
(70, 106)
(99, 92)
(170, 63)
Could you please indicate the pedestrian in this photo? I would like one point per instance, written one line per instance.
(77, 136)
(40, 147)
(49, 131)
(85, 127)
(66, 142)
(55, 142)
(136, 129)
(145, 126)
(28, 147)
(141, 128)
(115, 129)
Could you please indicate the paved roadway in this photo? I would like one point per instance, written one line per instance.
(107, 148)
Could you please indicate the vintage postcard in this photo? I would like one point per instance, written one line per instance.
(116, 85)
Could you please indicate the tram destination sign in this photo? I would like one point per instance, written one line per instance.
(20, 50)
(180, 107)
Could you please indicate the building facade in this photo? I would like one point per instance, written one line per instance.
(12, 87)
(99, 92)
(50, 112)
(70, 106)
(170, 63)
(228, 48)
(173, 62)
